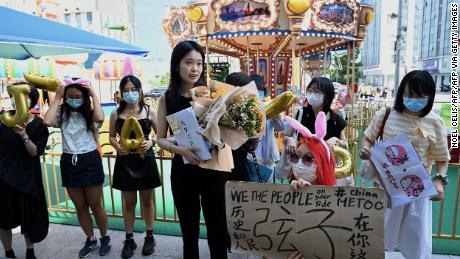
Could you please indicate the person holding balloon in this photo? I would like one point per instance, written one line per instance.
(82, 173)
(135, 172)
(22, 196)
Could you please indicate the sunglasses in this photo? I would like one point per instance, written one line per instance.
(306, 159)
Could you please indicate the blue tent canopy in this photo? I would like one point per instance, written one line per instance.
(23, 36)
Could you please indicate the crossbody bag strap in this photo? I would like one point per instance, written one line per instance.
(387, 113)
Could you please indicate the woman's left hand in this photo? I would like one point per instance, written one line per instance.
(440, 189)
(21, 131)
(147, 144)
(298, 184)
(90, 90)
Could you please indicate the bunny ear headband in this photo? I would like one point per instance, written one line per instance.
(69, 81)
(320, 128)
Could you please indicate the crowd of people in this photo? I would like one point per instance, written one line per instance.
(77, 112)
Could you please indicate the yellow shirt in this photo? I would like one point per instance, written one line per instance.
(427, 134)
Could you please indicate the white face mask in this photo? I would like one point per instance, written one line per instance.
(315, 99)
(306, 172)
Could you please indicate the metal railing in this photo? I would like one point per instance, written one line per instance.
(58, 199)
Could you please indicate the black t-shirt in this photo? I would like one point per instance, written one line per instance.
(17, 167)
(335, 124)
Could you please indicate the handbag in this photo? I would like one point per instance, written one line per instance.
(368, 171)
(257, 172)
(283, 167)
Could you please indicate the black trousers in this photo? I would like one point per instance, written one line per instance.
(195, 188)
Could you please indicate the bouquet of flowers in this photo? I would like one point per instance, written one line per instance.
(229, 114)
(244, 114)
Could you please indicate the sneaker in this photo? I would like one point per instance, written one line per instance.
(149, 245)
(10, 254)
(90, 246)
(128, 248)
(106, 244)
(30, 254)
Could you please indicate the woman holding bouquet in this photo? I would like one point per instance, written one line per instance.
(193, 188)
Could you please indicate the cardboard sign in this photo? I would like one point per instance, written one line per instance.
(319, 221)
(185, 129)
(401, 171)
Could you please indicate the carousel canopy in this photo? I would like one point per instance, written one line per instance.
(270, 27)
(23, 36)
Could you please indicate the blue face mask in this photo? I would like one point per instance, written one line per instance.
(131, 97)
(74, 103)
(415, 104)
(261, 95)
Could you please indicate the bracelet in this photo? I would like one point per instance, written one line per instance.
(443, 177)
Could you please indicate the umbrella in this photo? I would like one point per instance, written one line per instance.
(24, 36)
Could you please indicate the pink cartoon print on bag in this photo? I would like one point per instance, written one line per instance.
(396, 154)
(412, 185)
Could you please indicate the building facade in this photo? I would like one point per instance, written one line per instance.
(434, 53)
(113, 19)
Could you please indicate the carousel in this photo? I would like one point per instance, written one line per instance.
(285, 41)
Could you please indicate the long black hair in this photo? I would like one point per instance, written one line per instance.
(238, 79)
(85, 109)
(137, 85)
(327, 88)
(175, 82)
(420, 83)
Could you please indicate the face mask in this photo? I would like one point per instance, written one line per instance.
(261, 95)
(74, 103)
(308, 173)
(415, 104)
(131, 97)
(315, 99)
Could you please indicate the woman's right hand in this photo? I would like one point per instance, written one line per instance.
(59, 92)
(189, 154)
(290, 145)
(296, 255)
(365, 153)
(120, 150)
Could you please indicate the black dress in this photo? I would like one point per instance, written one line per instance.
(22, 196)
(132, 172)
(335, 124)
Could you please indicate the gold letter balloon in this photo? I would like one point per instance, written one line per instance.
(42, 82)
(131, 125)
(345, 163)
(19, 93)
(279, 104)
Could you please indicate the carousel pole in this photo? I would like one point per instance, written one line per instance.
(247, 54)
(324, 58)
(292, 58)
(208, 80)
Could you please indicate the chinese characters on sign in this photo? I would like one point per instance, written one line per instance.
(401, 171)
(320, 221)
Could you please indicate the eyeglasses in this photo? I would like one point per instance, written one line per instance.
(306, 159)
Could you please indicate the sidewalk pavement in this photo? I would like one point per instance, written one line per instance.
(64, 242)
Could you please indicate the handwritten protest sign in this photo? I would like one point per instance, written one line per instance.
(401, 171)
(319, 221)
(185, 129)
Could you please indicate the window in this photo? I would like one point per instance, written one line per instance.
(89, 18)
(67, 18)
(78, 19)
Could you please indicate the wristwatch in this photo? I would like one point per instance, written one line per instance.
(443, 177)
(26, 140)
